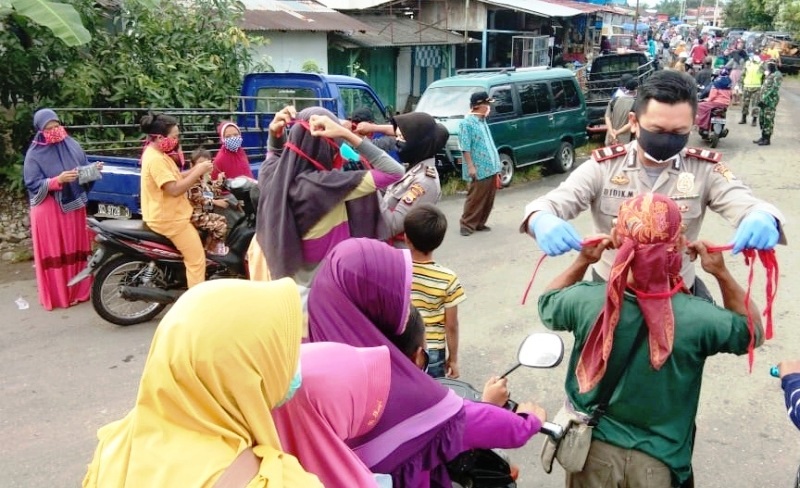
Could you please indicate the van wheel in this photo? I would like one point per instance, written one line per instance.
(564, 159)
(507, 169)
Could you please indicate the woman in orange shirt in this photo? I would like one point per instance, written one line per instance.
(165, 205)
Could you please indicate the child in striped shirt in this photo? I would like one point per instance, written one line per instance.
(435, 290)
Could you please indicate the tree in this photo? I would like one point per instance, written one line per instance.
(748, 14)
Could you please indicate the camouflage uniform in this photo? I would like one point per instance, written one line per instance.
(695, 179)
(752, 76)
(203, 217)
(770, 97)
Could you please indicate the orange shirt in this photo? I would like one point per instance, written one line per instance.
(159, 169)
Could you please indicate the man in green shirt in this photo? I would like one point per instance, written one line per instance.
(645, 436)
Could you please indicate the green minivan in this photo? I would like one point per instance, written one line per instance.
(539, 114)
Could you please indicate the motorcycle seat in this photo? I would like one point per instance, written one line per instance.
(136, 229)
(719, 112)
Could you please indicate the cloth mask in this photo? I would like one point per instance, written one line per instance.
(661, 147)
(297, 382)
(348, 153)
(167, 144)
(233, 143)
(54, 135)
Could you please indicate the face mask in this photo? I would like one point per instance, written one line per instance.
(338, 160)
(348, 152)
(167, 144)
(660, 147)
(233, 143)
(55, 134)
(297, 382)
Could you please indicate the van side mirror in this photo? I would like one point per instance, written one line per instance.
(541, 350)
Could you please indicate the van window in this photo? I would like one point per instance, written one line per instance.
(272, 100)
(534, 97)
(446, 101)
(357, 97)
(503, 100)
(565, 95)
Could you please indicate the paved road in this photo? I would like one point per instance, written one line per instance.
(66, 373)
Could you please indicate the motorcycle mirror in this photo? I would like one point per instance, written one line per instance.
(239, 182)
(539, 350)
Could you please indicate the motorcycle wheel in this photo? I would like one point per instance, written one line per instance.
(713, 139)
(106, 298)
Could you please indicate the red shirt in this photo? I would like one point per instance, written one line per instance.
(699, 53)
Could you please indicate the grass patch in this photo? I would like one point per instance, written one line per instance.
(590, 146)
(454, 184)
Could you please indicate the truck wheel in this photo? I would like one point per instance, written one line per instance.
(564, 159)
(106, 299)
(507, 169)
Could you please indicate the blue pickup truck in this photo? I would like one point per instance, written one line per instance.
(116, 195)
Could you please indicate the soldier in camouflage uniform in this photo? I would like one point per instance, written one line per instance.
(770, 97)
(752, 79)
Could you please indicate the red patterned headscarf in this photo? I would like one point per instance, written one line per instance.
(649, 227)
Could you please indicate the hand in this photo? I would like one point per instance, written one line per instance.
(472, 172)
(758, 230)
(554, 235)
(324, 126)
(593, 250)
(613, 134)
(67, 176)
(451, 369)
(495, 391)
(99, 165)
(204, 167)
(712, 262)
(364, 128)
(281, 120)
(533, 409)
(221, 176)
(220, 203)
(789, 367)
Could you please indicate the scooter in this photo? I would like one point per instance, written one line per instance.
(716, 129)
(490, 468)
(139, 272)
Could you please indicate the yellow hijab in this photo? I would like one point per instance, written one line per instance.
(220, 361)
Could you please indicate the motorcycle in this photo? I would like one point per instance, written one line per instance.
(716, 129)
(490, 468)
(139, 272)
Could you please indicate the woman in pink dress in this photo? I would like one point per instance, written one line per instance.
(61, 240)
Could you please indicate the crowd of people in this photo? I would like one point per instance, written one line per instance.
(319, 370)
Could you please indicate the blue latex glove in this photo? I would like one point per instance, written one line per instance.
(554, 235)
(758, 230)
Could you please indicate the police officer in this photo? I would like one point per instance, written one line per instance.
(657, 161)
(770, 97)
(751, 82)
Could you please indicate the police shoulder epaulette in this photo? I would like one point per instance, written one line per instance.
(609, 152)
(704, 154)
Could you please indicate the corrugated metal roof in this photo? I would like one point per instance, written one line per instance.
(399, 31)
(536, 7)
(296, 15)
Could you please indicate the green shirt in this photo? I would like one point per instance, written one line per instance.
(651, 411)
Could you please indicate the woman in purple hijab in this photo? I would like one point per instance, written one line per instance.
(361, 296)
(61, 240)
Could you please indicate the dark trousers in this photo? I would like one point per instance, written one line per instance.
(479, 203)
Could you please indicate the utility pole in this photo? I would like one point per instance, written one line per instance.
(636, 20)
(716, 9)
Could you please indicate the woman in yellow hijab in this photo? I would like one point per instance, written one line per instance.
(222, 358)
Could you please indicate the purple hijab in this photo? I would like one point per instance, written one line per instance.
(360, 295)
(295, 195)
(44, 162)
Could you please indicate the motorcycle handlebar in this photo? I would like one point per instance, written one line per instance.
(554, 431)
(774, 372)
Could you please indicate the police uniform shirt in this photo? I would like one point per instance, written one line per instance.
(695, 179)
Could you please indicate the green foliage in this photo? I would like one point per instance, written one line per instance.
(311, 66)
(749, 14)
(673, 7)
(142, 54)
(62, 19)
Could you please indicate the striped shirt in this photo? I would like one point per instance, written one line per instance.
(433, 289)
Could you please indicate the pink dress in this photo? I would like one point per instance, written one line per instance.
(61, 245)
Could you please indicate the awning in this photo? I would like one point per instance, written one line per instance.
(397, 31)
(284, 15)
(536, 7)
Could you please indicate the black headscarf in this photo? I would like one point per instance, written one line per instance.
(295, 195)
(424, 137)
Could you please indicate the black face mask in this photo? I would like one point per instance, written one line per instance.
(400, 145)
(661, 146)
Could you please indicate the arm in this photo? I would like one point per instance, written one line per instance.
(451, 338)
(176, 188)
(590, 254)
(465, 135)
(379, 159)
(365, 128)
(487, 426)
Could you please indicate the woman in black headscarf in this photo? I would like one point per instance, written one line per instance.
(306, 200)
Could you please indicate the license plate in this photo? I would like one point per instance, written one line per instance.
(113, 211)
(717, 120)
